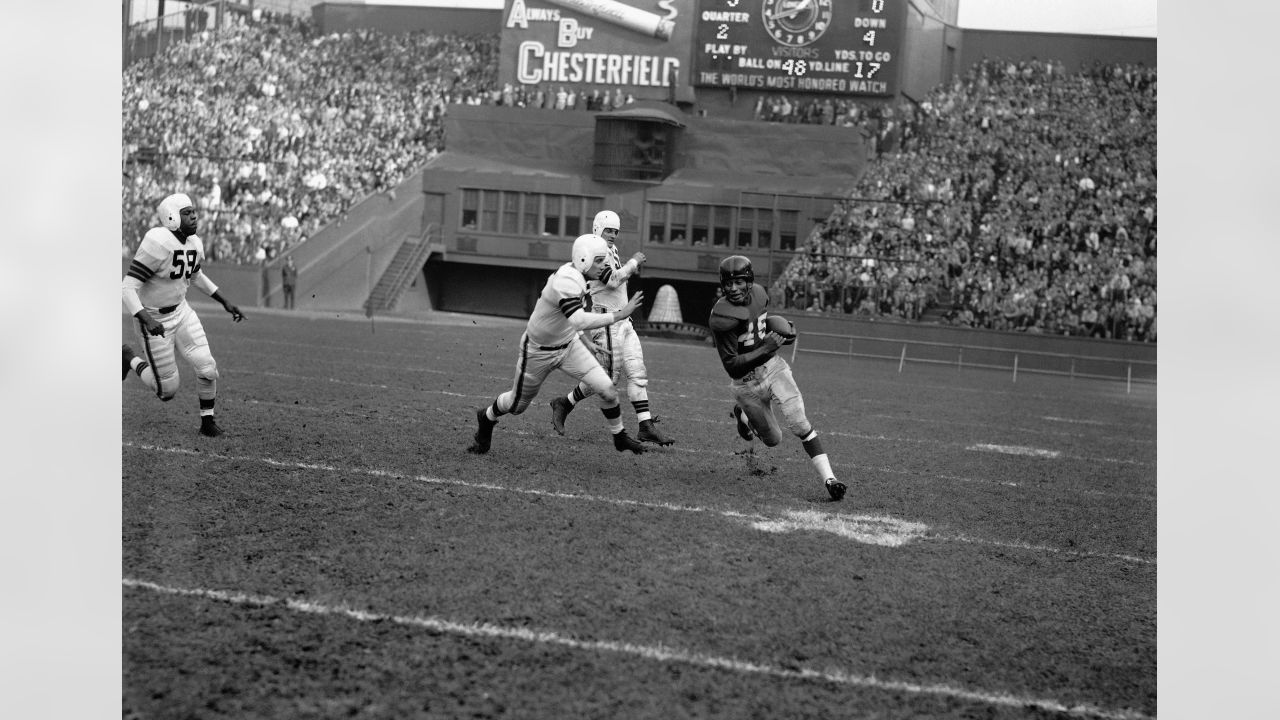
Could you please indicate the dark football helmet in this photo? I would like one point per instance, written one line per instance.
(732, 268)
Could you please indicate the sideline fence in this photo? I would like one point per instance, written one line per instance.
(963, 356)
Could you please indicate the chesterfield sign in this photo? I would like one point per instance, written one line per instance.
(640, 46)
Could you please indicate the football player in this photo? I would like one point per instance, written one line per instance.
(169, 259)
(748, 352)
(617, 346)
(550, 341)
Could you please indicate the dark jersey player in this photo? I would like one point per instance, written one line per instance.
(748, 352)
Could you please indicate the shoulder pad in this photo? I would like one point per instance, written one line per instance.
(725, 308)
(759, 295)
(568, 282)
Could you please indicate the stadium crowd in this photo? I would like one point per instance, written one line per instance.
(279, 130)
(1019, 197)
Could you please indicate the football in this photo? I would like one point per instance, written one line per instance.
(782, 326)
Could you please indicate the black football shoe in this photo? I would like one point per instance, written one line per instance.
(650, 433)
(127, 352)
(209, 427)
(484, 433)
(835, 489)
(744, 425)
(623, 442)
(560, 409)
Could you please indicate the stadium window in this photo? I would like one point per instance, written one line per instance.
(529, 214)
(489, 210)
(551, 216)
(573, 216)
(470, 208)
(701, 217)
(679, 224)
(722, 225)
(787, 222)
(510, 212)
(764, 228)
(594, 206)
(746, 223)
(657, 222)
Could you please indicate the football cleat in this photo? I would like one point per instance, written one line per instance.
(484, 433)
(744, 425)
(127, 352)
(650, 433)
(622, 441)
(209, 427)
(835, 489)
(560, 409)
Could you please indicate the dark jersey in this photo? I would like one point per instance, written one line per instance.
(738, 331)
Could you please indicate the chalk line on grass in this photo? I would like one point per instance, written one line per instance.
(657, 653)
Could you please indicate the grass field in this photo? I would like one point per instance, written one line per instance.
(339, 554)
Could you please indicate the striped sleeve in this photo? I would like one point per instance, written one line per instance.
(570, 305)
(605, 274)
(139, 271)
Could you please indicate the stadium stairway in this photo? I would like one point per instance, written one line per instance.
(407, 263)
(942, 303)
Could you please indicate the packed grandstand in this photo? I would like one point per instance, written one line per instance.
(1017, 197)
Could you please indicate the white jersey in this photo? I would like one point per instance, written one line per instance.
(165, 267)
(561, 297)
(610, 292)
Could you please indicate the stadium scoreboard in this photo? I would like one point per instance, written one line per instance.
(845, 47)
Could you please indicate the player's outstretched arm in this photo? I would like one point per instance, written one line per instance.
(632, 305)
(236, 315)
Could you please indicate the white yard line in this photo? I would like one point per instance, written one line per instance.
(877, 530)
(1015, 450)
(657, 653)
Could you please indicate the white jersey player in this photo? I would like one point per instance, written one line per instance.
(550, 341)
(617, 346)
(168, 261)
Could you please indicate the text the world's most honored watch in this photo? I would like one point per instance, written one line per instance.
(796, 22)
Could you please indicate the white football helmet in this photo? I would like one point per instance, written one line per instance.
(585, 250)
(170, 210)
(606, 219)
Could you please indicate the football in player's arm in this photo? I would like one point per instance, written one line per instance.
(550, 342)
(759, 377)
(617, 346)
(169, 259)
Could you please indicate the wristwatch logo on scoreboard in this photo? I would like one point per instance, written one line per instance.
(796, 23)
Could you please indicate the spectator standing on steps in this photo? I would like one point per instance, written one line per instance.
(289, 280)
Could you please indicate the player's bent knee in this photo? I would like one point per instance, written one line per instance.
(168, 388)
(801, 430)
(207, 370)
(608, 397)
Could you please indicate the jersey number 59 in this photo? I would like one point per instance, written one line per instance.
(185, 264)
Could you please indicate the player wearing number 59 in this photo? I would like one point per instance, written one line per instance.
(169, 259)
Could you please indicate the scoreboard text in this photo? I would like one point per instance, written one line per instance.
(849, 47)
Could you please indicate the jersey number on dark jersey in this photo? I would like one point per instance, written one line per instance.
(755, 331)
(185, 264)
